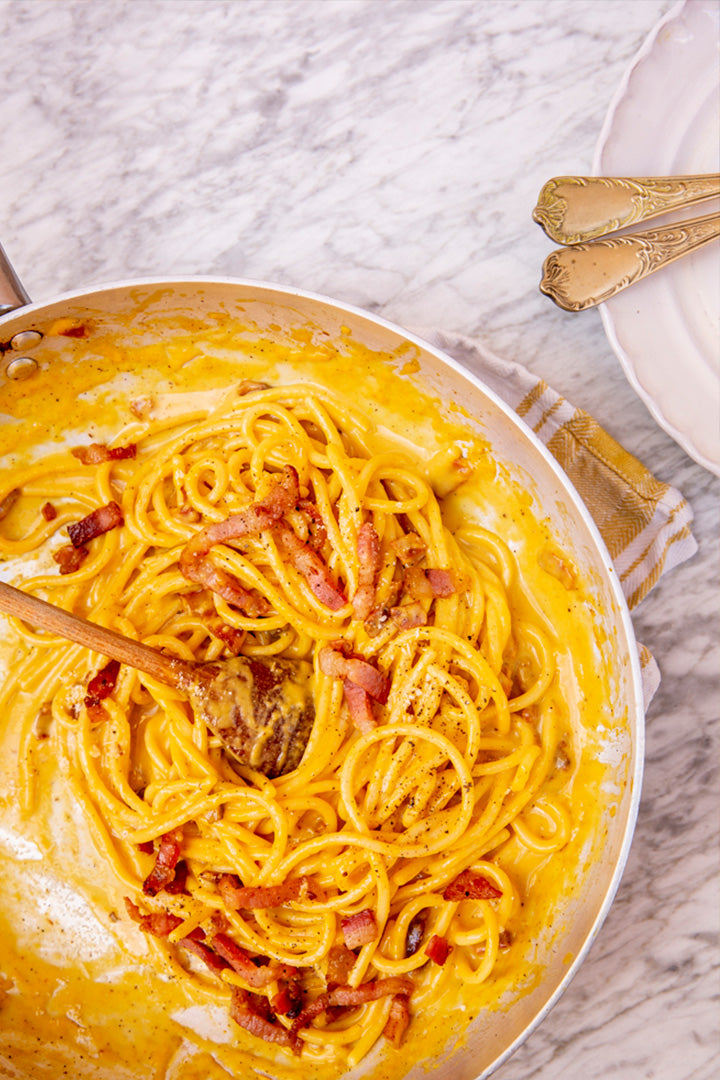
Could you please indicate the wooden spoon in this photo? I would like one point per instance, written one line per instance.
(262, 708)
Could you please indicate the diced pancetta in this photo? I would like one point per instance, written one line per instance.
(422, 584)
(438, 949)
(311, 566)
(341, 961)
(470, 886)
(208, 956)
(441, 582)
(351, 997)
(195, 564)
(250, 1012)
(335, 661)
(288, 1000)
(406, 616)
(158, 923)
(245, 898)
(359, 705)
(359, 929)
(409, 548)
(103, 683)
(70, 558)
(97, 522)
(99, 452)
(260, 515)
(368, 551)
(398, 1019)
(317, 532)
(166, 860)
(241, 962)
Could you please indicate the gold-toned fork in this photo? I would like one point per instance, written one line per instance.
(575, 209)
(582, 275)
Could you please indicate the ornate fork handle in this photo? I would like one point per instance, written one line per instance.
(573, 209)
(584, 275)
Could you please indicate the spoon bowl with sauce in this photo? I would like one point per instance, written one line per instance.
(260, 707)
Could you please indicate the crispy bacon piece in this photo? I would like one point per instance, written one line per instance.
(157, 923)
(377, 620)
(409, 548)
(423, 584)
(368, 550)
(70, 558)
(441, 582)
(317, 533)
(416, 584)
(102, 684)
(233, 638)
(359, 706)
(470, 886)
(99, 452)
(97, 522)
(341, 961)
(359, 929)
(178, 884)
(244, 898)
(97, 713)
(255, 970)
(335, 661)
(408, 615)
(262, 514)
(438, 949)
(8, 502)
(227, 586)
(48, 511)
(166, 860)
(205, 953)
(250, 1011)
(398, 1019)
(241, 962)
(288, 1001)
(311, 566)
(350, 997)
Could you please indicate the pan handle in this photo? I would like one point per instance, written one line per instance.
(12, 293)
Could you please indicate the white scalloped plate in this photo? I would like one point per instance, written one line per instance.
(665, 330)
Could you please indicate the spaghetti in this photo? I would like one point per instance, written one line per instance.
(332, 905)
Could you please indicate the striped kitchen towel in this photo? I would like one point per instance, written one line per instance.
(645, 523)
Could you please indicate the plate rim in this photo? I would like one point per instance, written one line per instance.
(683, 438)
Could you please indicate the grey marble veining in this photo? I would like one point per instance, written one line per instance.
(389, 154)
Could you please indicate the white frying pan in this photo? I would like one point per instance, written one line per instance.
(153, 308)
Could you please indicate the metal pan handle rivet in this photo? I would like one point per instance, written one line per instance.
(22, 367)
(25, 339)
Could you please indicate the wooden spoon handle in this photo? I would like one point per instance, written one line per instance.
(39, 613)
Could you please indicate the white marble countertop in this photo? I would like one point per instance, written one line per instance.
(389, 154)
